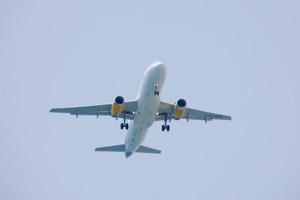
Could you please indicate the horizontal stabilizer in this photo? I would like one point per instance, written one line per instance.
(121, 148)
(116, 148)
(143, 149)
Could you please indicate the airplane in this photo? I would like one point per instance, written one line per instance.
(143, 112)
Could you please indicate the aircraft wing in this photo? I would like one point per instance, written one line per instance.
(166, 109)
(98, 110)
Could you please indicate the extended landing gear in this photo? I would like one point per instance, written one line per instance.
(165, 126)
(124, 124)
(156, 89)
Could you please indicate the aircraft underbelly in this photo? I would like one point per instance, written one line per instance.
(148, 103)
(144, 118)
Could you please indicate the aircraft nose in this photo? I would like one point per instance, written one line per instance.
(127, 154)
(156, 63)
(159, 66)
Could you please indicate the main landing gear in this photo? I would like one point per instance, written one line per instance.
(165, 126)
(124, 124)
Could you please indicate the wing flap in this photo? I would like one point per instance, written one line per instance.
(206, 116)
(105, 109)
(168, 109)
(91, 110)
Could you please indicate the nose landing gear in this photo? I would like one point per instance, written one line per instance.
(156, 89)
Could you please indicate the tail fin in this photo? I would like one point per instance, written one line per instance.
(121, 148)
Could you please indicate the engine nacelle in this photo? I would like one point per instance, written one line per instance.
(117, 106)
(179, 109)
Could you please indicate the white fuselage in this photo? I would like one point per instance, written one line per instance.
(147, 106)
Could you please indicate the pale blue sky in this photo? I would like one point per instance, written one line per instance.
(232, 57)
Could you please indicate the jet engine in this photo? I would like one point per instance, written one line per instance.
(179, 109)
(117, 106)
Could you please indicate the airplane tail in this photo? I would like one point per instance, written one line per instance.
(121, 148)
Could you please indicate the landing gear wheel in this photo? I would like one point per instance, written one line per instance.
(126, 126)
(168, 128)
(165, 126)
(122, 126)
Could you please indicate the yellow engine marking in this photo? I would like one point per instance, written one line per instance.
(116, 109)
(179, 112)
